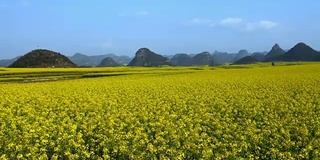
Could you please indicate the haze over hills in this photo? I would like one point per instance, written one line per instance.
(182, 59)
(242, 53)
(7, 62)
(203, 58)
(222, 58)
(206, 58)
(260, 56)
(246, 60)
(95, 60)
(145, 57)
(300, 52)
(109, 62)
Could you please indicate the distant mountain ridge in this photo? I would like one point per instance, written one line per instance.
(109, 62)
(241, 54)
(300, 52)
(203, 58)
(85, 60)
(200, 59)
(246, 60)
(222, 58)
(260, 56)
(8, 62)
(182, 59)
(145, 57)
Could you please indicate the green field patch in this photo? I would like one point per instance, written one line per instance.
(93, 75)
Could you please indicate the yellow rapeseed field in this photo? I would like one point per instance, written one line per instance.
(251, 113)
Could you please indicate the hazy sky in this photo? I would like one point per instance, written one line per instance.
(164, 26)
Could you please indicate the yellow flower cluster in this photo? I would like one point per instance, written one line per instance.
(256, 113)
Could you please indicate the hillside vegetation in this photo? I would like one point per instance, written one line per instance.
(42, 58)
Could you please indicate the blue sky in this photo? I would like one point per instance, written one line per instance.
(165, 26)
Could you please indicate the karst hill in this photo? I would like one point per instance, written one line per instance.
(42, 58)
(145, 57)
(109, 62)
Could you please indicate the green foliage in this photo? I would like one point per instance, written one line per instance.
(41, 58)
